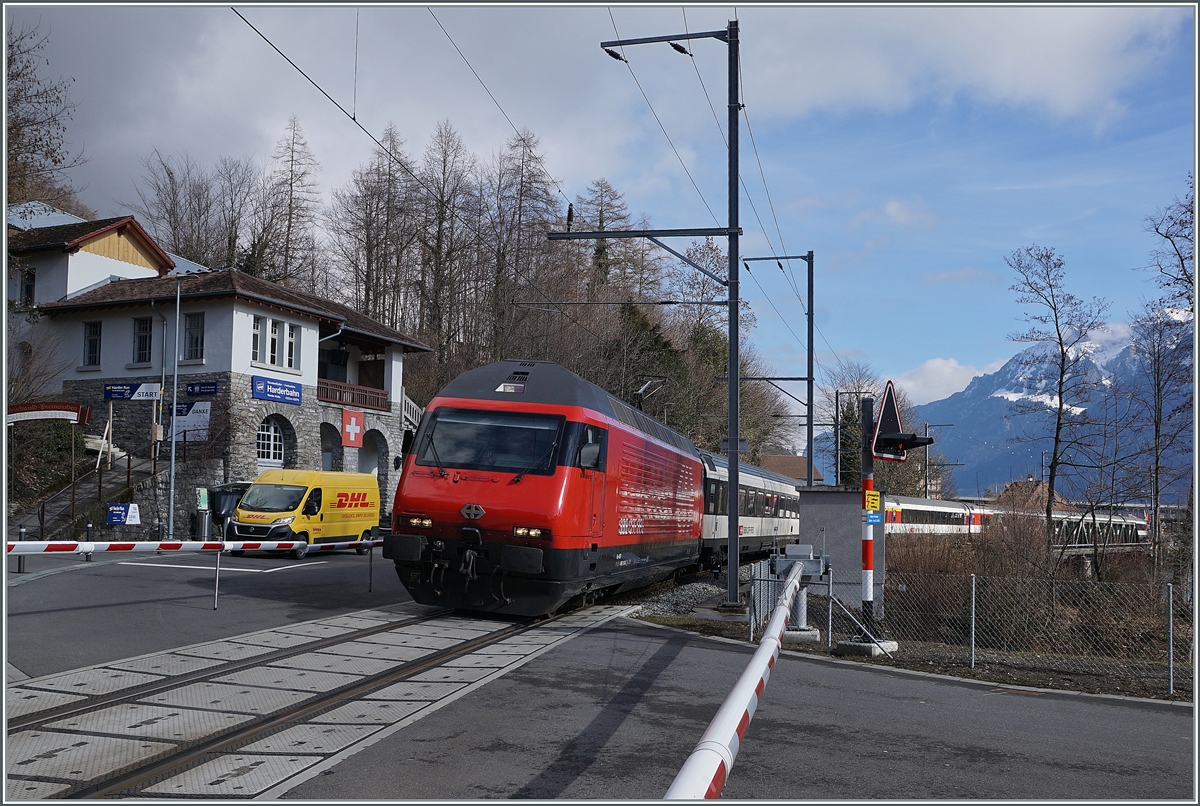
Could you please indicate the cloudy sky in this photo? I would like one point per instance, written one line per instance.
(910, 148)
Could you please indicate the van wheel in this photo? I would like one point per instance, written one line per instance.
(299, 552)
(361, 549)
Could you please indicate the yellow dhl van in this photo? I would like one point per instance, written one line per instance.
(313, 506)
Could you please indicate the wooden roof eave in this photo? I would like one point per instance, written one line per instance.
(170, 298)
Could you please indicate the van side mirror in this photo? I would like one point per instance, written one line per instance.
(311, 507)
(589, 456)
(397, 462)
(405, 445)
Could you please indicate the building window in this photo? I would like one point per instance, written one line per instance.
(28, 279)
(293, 355)
(143, 329)
(193, 336)
(270, 444)
(91, 344)
(273, 356)
(256, 340)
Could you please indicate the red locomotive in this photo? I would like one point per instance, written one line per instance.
(527, 488)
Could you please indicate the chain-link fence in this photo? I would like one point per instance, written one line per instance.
(1092, 636)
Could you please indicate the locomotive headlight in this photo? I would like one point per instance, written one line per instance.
(423, 523)
(531, 531)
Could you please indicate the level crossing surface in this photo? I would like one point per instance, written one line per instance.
(610, 711)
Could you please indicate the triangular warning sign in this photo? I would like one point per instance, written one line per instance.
(890, 442)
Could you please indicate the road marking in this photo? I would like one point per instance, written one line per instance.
(227, 568)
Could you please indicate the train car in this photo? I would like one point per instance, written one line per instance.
(528, 488)
(905, 515)
(768, 510)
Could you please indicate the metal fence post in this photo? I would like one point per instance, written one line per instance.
(217, 579)
(1170, 641)
(829, 616)
(972, 621)
(87, 558)
(371, 566)
(21, 558)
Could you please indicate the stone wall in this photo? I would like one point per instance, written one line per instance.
(231, 451)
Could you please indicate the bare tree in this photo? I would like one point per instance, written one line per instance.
(37, 111)
(1175, 259)
(299, 202)
(178, 205)
(1059, 376)
(1163, 363)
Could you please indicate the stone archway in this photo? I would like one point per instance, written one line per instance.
(332, 454)
(374, 457)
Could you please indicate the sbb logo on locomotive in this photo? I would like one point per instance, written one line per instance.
(352, 501)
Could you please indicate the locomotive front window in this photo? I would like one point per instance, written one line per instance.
(503, 441)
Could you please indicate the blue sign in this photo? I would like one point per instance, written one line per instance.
(202, 388)
(123, 515)
(272, 389)
(874, 517)
(131, 391)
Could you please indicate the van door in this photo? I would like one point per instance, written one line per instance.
(312, 516)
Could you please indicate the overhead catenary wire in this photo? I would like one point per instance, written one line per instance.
(660, 123)
(384, 149)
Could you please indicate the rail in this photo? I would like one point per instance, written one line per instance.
(704, 773)
(329, 391)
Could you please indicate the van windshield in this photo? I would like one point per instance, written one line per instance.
(272, 497)
(505, 441)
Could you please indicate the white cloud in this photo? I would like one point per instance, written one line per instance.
(938, 378)
(966, 274)
(1067, 61)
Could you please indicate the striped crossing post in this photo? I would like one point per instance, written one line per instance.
(868, 537)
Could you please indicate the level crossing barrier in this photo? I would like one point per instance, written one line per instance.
(87, 548)
(704, 773)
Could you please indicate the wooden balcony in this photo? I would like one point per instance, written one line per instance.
(347, 394)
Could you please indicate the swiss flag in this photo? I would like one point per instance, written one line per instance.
(352, 428)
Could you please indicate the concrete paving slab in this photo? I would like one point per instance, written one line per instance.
(446, 674)
(416, 690)
(74, 756)
(25, 701)
(34, 790)
(481, 661)
(137, 720)
(274, 639)
(336, 662)
(168, 664)
(288, 678)
(224, 697)
(366, 649)
(312, 738)
(226, 650)
(316, 629)
(238, 775)
(369, 712)
(92, 682)
(403, 638)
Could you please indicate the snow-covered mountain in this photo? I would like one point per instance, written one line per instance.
(986, 418)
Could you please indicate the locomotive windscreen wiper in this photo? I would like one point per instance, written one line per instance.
(433, 449)
(548, 452)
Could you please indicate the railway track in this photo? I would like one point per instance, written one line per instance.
(242, 726)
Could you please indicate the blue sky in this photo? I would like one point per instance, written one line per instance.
(910, 148)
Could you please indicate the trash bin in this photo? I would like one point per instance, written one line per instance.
(223, 500)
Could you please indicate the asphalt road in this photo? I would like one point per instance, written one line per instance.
(66, 613)
(614, 712)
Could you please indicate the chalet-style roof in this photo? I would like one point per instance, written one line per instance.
(1029, 496)
(71, 237)
(787, 464)
(239, 285)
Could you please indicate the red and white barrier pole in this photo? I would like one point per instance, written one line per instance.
(868, 537)
(704, 773)
(88, 547)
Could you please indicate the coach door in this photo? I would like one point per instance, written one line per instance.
(592, 458)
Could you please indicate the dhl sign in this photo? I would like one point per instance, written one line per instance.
(352, 501)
